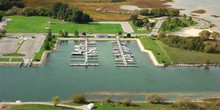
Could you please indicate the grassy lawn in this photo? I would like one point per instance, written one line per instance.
(36, 24)
(179, 28)
(37, 107)
(13, 54)
(181, 56)
(4, 59)
(135, 28)
(16, 59)
(135, 106)
(150, 44)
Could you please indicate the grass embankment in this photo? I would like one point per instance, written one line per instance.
(37, 107)
(16, 52)
(13, 59)
(37, 24)
(150, 44)
(38, 55)
(181, 56)
(201, 11)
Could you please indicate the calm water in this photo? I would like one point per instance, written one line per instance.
(57, 78)
(211, 6)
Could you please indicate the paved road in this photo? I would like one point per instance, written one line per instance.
(158, 25)
(84, 107)
(125, 25)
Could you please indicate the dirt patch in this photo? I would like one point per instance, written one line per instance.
(201, 11)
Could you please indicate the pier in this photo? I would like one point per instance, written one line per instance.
(119, 57)
(88, 58)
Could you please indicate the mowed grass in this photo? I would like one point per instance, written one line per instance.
(136, 31)
(135, 106)
(37, 107)
(16, 59)
(36, 24)
(181, 56)
(150, 44)
(4, 59)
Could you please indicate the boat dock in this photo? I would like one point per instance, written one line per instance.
(85, 54)
(122, 55)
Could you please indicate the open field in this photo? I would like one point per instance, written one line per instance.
(182, 56)
(90, 6)
(21, 24)
(37, 107)
(150, 44)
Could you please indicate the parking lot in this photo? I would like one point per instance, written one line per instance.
(32, 44)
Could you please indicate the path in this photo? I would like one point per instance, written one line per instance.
(125, 25)
(158, 25)
(83, 107)
(192, 30)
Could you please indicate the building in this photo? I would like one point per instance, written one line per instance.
(101, 36)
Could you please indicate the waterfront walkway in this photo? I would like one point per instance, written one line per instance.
(83, 107)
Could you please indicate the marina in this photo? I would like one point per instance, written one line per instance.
(85, 54)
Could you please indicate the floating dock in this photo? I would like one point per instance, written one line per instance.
(86, 59)
(121, 62)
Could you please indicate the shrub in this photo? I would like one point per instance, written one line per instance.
(107, 100)
(183, 101)
(161, 34)
(155, 98)
(126, 102)
(79, 98)
(56, 100)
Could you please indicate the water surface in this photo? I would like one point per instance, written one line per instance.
(57, 78)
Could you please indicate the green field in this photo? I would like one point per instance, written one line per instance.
(16, 59)
(21, 24)
(4, 59)
(37, 107)
(150, 44)
(13, 54)
(181, 56)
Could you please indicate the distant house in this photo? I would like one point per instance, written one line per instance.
(101, 36)
(121, 36)
(144, 28)
(82, 36)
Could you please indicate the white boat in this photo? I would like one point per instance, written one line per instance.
(77, 53)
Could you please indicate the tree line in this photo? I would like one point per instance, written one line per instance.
(7, 4)
(200, 43)
(58, 10)
(158, 12)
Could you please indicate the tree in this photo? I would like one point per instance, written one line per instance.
(155, 98)
(144, 12)
(128, 35)
(126, 101)
(133, 16)
(146, 21)
(161, 34)
(1, 16)
(76, 33)
(205, 34)
(184, 16)
(107, 100)
(183, 101)
(3, 31)
(55, 8)
(47, 45)
(61, 33)
(66, 34)
(215, 35)
(79, 98)
(56, 100)
(139, 23)
(119, 33)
